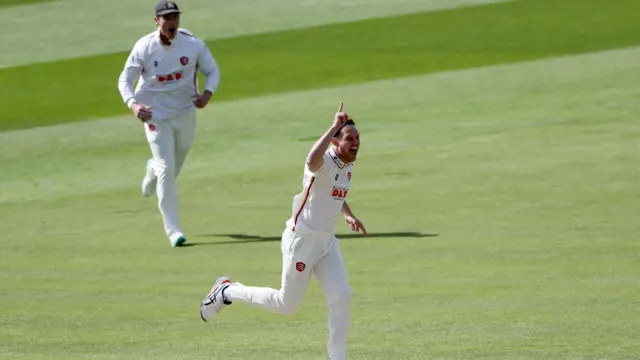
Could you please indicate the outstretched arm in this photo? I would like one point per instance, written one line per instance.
(353, 222)
(315, 159)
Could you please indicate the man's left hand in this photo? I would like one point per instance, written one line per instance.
(355, 224)
(202, 100)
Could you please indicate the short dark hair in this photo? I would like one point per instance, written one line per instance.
(349, 122)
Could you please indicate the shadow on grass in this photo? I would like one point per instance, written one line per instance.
(247, 239)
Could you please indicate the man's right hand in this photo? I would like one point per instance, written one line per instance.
(142, 112)
(340, 118)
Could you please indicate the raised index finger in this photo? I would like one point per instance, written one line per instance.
(340, 108)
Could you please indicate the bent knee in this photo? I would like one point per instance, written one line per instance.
(164, 171)
(290, 304)
(290, 307)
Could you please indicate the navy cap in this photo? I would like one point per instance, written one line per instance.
(165, 7)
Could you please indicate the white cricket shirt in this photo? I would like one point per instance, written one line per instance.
(167, 75)
(319, 206)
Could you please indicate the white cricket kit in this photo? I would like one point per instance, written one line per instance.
(167, 74)
(316, 210)
(167, 83)
(308, 247)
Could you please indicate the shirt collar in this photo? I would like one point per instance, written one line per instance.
(172, 41)
(341, 164)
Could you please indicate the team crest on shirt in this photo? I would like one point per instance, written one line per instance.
(184, 60)
(300, 266)
(349, 175)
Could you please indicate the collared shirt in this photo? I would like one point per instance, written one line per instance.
(167, 74)
(318, 207)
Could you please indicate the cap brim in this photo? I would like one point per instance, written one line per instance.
(170, 11)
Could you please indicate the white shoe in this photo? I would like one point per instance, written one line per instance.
(215, 301)
(177, 239)
(149, 181)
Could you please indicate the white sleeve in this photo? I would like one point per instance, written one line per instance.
(133, 68)
(208, 66)
(326, 165)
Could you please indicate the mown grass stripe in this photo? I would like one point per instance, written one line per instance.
(329, 55)
(76, 28)
(8, 3)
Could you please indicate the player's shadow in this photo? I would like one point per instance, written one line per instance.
(246, 239)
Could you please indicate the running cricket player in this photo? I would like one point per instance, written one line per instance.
(166, 63)
(309, 245)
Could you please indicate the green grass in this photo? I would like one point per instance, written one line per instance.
(76, 27)
(525, 174)
(501, 195)
(8, 3)
(80, 89)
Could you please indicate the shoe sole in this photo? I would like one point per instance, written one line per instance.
(226, 282)
(201, 314)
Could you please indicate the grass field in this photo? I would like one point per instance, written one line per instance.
(339, 54)
(498, 176)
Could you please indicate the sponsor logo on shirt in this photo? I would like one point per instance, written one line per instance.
(170, 77)
(339, 193)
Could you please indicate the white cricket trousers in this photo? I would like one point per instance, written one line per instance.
(302, 256)
(170, 141)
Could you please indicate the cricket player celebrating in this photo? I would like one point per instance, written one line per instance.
(308, 244)
(166, 62)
